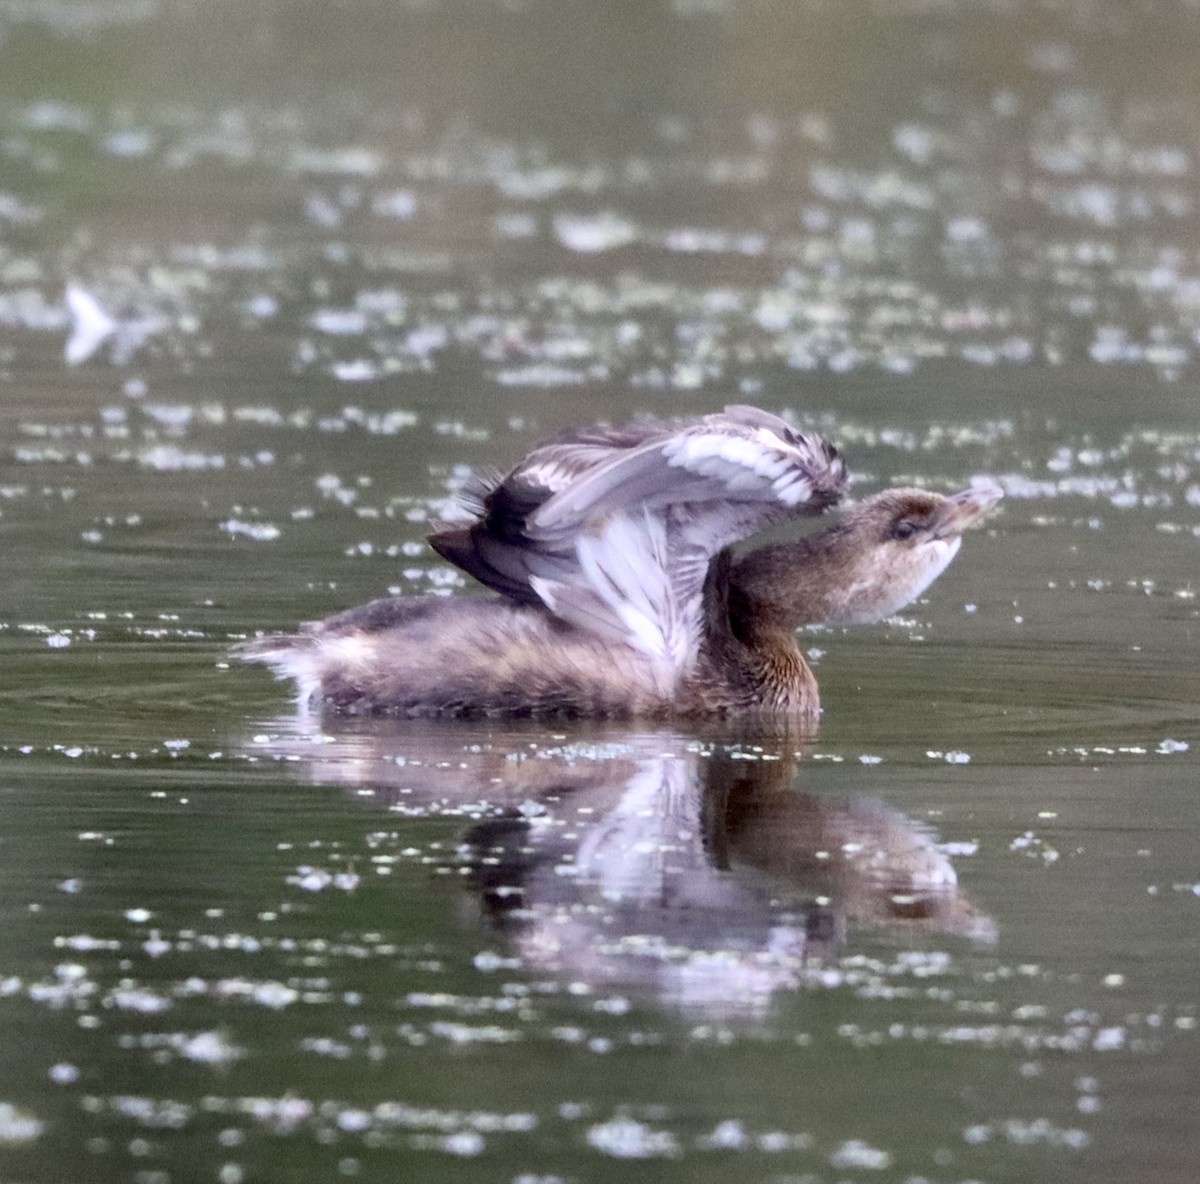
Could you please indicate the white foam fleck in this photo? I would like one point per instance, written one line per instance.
(210, 1048)
(18, 1126)
(856, 1154)
(259, 532)
(91, 326)
(625, 1138)
(589, 234)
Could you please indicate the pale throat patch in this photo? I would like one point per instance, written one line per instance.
(939, 553)
(865, 601)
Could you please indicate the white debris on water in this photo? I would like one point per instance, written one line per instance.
(1033, 846)
(592, 233)
(139, 999)
(626, 1138)
(170, 458)
(91, 325)
(259, 532)
(1026, 1133)
(210, 1048)
(855, 1154)
(18, 1126)
(953, 757)
(317, 879)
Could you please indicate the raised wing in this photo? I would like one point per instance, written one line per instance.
(742, 457)
(613, 529)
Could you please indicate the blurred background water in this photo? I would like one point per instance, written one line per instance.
(273, 278)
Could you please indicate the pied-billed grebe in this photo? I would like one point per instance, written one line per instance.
(618, 593)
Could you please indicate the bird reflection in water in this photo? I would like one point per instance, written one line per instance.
(689, 867)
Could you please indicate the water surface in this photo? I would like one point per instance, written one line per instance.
(272, 282)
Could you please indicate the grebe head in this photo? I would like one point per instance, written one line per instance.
(893, 545)
(886, 550)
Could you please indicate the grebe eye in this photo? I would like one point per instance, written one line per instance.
(904, 529)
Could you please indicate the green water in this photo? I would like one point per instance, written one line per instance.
(348, 253)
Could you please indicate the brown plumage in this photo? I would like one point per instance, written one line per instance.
(620, 595)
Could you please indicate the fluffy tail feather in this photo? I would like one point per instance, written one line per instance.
(290, 656)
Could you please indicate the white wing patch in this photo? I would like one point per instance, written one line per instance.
(627, 595)
(755, 465)
(793, 488)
